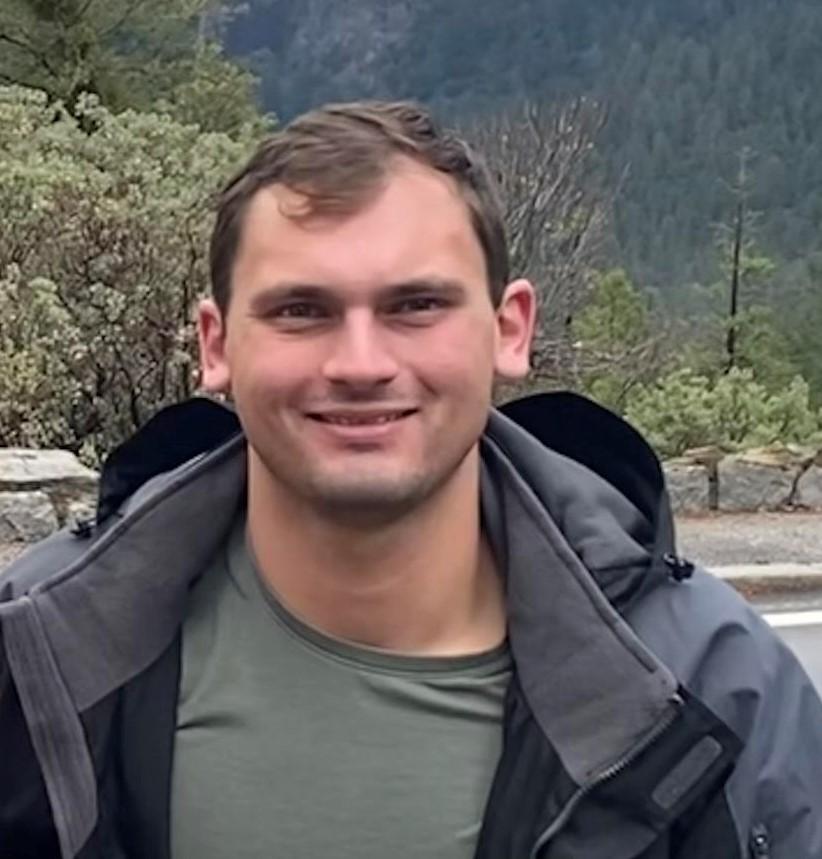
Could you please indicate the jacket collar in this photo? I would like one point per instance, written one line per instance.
(592, 686)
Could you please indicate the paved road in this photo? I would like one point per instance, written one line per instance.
(803, 632)
(751, 538)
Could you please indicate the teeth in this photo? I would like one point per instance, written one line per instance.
(349, 421)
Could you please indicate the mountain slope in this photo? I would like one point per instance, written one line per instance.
(688, 85)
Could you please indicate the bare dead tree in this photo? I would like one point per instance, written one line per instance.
(745, 268)
(741, 194)
(556, 213)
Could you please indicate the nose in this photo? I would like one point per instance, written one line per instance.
(359, 357)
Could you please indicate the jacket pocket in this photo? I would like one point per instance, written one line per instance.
(760, 842)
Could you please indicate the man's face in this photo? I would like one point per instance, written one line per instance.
(360, 351)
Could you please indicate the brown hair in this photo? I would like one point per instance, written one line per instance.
(338, 157)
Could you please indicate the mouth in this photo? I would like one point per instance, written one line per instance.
(360, 418)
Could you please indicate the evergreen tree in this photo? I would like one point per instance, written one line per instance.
(139, 54)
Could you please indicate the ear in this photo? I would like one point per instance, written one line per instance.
(516, 318)
(215, 374)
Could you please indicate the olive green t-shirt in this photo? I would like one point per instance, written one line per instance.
(294, 745)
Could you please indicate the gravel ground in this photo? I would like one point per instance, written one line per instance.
(751, 538)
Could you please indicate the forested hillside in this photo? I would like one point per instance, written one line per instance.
(687, 86)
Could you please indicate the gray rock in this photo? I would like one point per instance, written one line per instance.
(25, 469)
(58, 473)
(756, 480)
(809, 489)
(708, 456)
(26, 516)
(688, 487)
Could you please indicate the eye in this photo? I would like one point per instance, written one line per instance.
(419, 304)
(299, 310)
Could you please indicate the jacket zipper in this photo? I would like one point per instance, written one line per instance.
(607, 774)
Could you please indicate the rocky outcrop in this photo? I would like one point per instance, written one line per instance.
(779, 477)
(762, 479)
(26, 517)
(688, 486)
(808, 492)
(750, 486)
(41, 490)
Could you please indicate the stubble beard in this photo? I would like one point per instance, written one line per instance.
(371, 498)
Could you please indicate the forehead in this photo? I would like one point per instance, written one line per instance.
(416, 225)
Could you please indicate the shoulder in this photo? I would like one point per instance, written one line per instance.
(717, 645)
(41, 561)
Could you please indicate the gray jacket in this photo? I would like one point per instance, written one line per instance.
(652, 713)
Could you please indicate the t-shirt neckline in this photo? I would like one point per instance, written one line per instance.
(243, 567)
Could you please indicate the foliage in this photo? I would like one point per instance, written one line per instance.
(140, 54)
(761, 343)
(102, 255)
(616, 345)
(212, 92)
(802, 332)
(763, 347)
(685, 409)
(34, 375)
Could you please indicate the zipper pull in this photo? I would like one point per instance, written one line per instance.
(679, 569)
(760, 842)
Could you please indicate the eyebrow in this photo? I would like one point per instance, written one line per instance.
(445, 287)
(297, 291)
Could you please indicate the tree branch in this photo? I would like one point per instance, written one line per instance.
(30, 50)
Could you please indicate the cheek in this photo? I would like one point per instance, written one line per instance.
(460, 358)
(260, 360)
(264, 375)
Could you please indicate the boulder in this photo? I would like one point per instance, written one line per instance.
(21, 468)
(26, 516)
(59, 474)
(688, 486)
(809, 488)
(762, 479)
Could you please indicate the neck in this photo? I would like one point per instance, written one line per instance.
(424, 584)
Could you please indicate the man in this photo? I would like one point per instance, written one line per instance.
(371, 616)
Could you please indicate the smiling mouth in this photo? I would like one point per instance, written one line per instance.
(354, 419)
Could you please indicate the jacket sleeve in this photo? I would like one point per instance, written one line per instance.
(775, 792)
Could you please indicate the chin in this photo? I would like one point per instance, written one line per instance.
(371, 493)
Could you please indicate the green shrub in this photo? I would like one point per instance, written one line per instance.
(102, 257)
(685, 409)
(614, 340)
